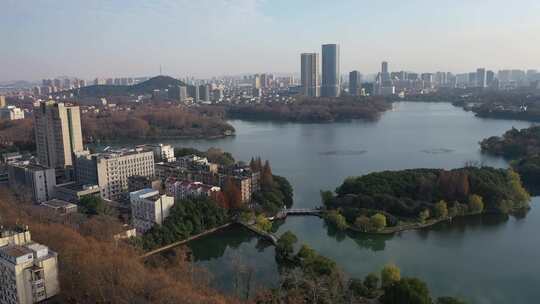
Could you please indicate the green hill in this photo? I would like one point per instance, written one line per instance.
(146, 87)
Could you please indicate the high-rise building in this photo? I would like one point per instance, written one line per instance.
(331, 84)
(111, 170)
(355, 80)
(28, 270)
(490, 77)
(193, 92)
(204, 92)
(481, 78)
(309, 73)
(57, 129)
(2, 101)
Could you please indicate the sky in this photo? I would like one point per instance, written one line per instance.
(203, 38)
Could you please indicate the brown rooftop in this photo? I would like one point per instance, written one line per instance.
(15, 251)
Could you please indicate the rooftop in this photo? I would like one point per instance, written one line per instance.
(56, 203)
(15, 251)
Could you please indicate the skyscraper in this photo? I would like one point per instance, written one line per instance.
(481, 78)
(57, 129)
(330, 71)
(309, 72)
(355, 80)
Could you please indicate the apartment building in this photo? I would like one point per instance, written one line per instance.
(149, 208)
(162, 153)
(11, 113)
(28, 270)
(111, 170)
(182, 189)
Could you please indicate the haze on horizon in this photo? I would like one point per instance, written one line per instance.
(43, 39)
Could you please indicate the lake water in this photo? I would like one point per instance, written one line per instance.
(481, 259)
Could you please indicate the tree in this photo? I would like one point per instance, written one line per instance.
(267, 179)
(476, 204)
(363, 223)
(453, 211)
(263, 223)
(327, 197)
(232, 193)
(378, 221)
(285, 245)
(371, 281)
(336, 219)
(357, 288)
(441, 209)
(93, 205)
(406, 291)
(424, 215)
(390, 274)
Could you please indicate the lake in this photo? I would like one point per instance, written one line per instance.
(485, 259)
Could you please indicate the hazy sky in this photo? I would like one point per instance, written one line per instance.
(89, 38)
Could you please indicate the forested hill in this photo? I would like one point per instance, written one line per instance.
(146, 87)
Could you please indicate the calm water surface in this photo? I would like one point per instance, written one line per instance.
(482, 259)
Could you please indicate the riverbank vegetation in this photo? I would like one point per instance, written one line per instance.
(308, 109)
(308, 277)
(187, 218)
(390, 201)
(523, 148)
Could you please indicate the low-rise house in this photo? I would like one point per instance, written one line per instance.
(73, 192)
(60, 206)
(28, 270)
(149, 208)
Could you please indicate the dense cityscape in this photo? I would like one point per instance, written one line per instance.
(326, 183)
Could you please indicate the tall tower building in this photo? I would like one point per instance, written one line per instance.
(330, 71)
(309, 72)
(481, 78)
(355, 80)
(57, 129)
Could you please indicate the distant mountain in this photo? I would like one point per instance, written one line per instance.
(145, 87)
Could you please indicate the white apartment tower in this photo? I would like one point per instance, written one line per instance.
(309, 74)
(149, 208)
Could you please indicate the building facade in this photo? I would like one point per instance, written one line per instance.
(111, 170)
(331, 77)
(36, 181)
(58, 133)
(309, 74)
(11, 113)
(355, 83)
(28, 270)
(149, 208)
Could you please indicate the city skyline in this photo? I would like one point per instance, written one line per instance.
(231, 37)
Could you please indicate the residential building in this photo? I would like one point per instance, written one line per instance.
(355, 80)
(193, 92)
(204, 92)
(137, 182)
(110, 170)
(11, 113)
(331, 77)
(481, 78)
(162, 153)
(57, 129)
(149, 208)
(35, 181)
(309, 74)
(28, 270)
(182, 189)
(3, 103)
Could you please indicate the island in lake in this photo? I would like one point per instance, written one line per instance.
(391, 201)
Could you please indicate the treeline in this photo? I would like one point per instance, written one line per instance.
(152, 122)
(95, 268)
(521, 146)
(187, 217)
(311, 109)
(17, 135)
(393, 198)
(308, 277)
(276, 191)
